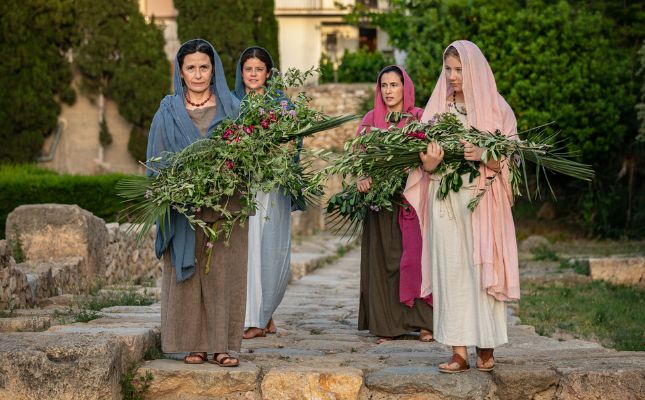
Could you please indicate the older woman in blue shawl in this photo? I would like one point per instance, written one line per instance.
(270, 229)
(200, 313)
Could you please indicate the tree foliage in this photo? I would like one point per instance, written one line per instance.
(34, 73)
(231, 26)
(120, 55)
(553, 60)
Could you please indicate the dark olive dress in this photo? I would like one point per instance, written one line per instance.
(380, 311)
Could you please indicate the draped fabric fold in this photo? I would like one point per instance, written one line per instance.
(410, 265)
(495, 246)
(171, 131)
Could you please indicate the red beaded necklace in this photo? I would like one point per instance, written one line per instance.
(198, 104)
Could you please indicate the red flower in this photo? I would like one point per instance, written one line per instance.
(229, 164)
(265, 123)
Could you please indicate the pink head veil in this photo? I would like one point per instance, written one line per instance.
(495, 246)
(380, 108)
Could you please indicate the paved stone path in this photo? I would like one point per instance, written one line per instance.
(317, 354)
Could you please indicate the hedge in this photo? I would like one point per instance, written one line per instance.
(27, 184)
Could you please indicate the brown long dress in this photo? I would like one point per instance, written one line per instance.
(206, 311)
(380, 310)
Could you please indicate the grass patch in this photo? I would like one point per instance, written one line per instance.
(115, 298)
(135, 387)
(87, 308)
(615, 315)
(544, 253)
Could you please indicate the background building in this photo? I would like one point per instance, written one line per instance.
(310, 28)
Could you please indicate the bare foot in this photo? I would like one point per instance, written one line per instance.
(271, 328)
(253, 332)
(384, 339)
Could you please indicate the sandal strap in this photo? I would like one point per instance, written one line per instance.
(485, 354)
(224, 359)
(456, 358)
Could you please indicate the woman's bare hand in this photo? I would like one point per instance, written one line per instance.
(432, 157)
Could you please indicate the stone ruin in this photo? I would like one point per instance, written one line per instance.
(57, 249)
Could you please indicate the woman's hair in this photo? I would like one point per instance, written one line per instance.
(260, 54)
(195, 46)
(391, 68)
(451, 51)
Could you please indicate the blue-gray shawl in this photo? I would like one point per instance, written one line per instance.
(170, 132)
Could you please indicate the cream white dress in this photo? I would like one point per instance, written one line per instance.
(463, 314)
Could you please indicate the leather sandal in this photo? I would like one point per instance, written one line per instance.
(222, 361)
(271, 328)
(485, 355)
(196, 358)
(462, 365)
(253, 332)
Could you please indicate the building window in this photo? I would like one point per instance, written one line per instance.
(368, 3)
(367, 39)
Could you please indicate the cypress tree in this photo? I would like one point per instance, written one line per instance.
(34, 73)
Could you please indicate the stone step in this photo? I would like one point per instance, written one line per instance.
(174, 379)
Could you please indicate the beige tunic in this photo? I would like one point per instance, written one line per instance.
(464, 315)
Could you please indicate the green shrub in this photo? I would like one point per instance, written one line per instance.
(362, 66)
(32, 185)
(326, 69)
(553, 60)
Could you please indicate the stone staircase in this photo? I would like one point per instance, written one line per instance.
(318, 353)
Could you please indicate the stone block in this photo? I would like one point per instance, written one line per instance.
(519, 382)
(61, 367)
(603, 379)
(619, 271)
(136, 338)
(312, 383)
(533, 243)
(53, 231)
(15, 290)
(428, 380)
(173, 379)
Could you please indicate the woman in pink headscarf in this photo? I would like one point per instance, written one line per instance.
(469, 260)
(390, 283)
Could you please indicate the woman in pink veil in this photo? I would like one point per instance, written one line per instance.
(390, 304)
(469, 259)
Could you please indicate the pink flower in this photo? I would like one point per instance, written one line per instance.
(237, 139)
(261, 111)
(283, 104)
(292, 113)
(229, 164)
(248, 129)
(209, 245)
(265, 123)
(227, 133)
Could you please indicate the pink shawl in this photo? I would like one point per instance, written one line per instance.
(494, 242)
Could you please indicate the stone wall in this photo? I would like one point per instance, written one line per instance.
(126, 260)
(67, 250)
(333, 99)
(338, 99)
